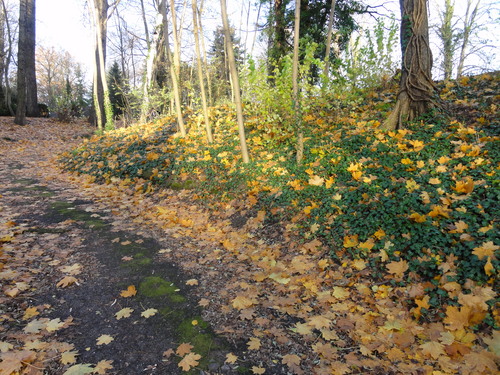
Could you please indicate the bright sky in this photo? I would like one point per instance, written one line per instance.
(64, 24)
(61, 24)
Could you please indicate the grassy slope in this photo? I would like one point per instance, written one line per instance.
(414, 205)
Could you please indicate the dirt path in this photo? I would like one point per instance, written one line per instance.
(83, 290)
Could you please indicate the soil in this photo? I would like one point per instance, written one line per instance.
(57, 228)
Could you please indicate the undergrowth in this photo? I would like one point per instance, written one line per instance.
(424, 197)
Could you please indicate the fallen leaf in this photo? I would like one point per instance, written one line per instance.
(130, 292)
(291, 360)
(397, 268)
(124, 313)
(30, 312)
(149, 313)
(231, 358)
(204, 302)
(103, 366)
(54, 325)
(69, 357)
(5, 346)
(242, 302)
(433, 349)
(80, 369)
(67, 281)
(253, 343)
(183, 349)
(189, 361)
(258, 370)
(192, 282)
(104, 339)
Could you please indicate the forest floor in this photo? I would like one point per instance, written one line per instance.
(130, 267)
(82, 280)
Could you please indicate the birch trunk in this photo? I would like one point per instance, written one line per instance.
(200, 73)
(234, 75)
(175, 83)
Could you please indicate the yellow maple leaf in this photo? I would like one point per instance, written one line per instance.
(465, 187)
(231, 358)
(124, 313)
(254, 343)
(434, 181)
(316, 181)
(184, 349)
(258, 370)
(130, 292)
(487, 249)
(30, 312)
(149, 313)
(69, 357)
(416, 217)
(397, 268)
(189, 361)
(102, 366)
(291, 360)
(242, 302)
(302, 328)
(351, 241)
(367, 245)
(488, 267)
(54, 325)
(67, 281)
(433, 349)
(104, 339)
(319, 321)
(192, 282)
(457, 318)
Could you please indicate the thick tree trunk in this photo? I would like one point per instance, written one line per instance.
(236, 83)
(208, 128)
(416, 85)
(20, 118)
(31, 86)
(102, 103)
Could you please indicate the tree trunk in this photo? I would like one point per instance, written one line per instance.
(200, 73)
(469, 20)
(445, 33)
(326, 69)
(204, 53)
(295, 78)
(31, 86)
(150, 60)
(8, 93)
(20, 118)
(236, 83)
(173, 74)
(102, 103)
(416, 85)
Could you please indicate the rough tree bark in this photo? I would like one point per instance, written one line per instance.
(31, 86)
(416, 85)
(208, 128)
(102, 103)
(236, 83)
(20, 118)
